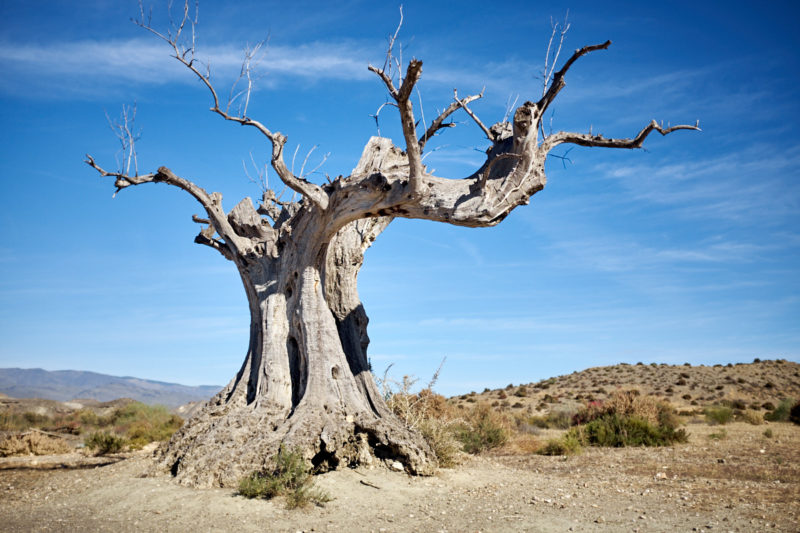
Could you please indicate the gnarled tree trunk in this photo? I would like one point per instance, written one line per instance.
(306, 380)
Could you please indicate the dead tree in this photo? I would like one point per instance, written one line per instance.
(306, 381)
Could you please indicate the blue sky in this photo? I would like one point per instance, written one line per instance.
(687, 251)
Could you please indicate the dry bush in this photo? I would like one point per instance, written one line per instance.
(522, 443)
(751, 416)
(438, 422)
(483, 429)
(33, 443)
(631, 403)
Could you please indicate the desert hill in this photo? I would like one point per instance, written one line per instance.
(64, 385)
(755, 385)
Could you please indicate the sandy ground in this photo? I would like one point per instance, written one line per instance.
(744, 482)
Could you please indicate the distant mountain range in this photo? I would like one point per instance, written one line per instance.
(64, 385)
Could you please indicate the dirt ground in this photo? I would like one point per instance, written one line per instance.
(743, 482)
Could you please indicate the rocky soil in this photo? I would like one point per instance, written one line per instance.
(740, 481)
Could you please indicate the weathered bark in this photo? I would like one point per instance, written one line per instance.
(306, 380)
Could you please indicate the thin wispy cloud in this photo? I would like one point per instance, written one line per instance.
(748, 185)
(90, 66)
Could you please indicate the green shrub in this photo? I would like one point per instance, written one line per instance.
(484, 429)
(615, 431)
(143, 424)
(768, 433)
(568, 444)
(102, 442)
(291, 478)
(781, 413)
(718, 414)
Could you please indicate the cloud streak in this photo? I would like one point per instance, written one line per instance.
(87, 67)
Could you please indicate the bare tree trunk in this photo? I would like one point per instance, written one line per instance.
(306, 380)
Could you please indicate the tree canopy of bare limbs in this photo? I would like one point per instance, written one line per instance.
(305, 381)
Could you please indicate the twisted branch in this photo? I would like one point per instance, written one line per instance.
(587, 139)
(186, 55)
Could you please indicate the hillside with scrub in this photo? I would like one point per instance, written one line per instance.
(626, 447)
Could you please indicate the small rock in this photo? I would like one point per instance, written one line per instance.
(397, 466)
(600, 520)
(661, 475)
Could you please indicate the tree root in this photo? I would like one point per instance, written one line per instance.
(225, 443)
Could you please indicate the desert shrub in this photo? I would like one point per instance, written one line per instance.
(438, 421)
(616, 430)
(14, 421)
(290, 478)
(521, 392)
(441, 437)
(103, 442)
(560, 418)
(87, 417)
(143, 424)
(502, 395)
(751, 417)
(32, 442)
(628, 419)
(781, 412)
(568, 444)
(735, 404)
(768, 406)
(768, 433)
(484, 429)
(718, 414)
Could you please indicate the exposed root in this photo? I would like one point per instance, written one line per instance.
(225, 443)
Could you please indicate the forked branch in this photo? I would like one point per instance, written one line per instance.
(558, 82)
(468, 111)
(439, 122)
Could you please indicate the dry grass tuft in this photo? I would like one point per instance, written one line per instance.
(33, 443)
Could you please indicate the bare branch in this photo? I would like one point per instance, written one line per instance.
(463, 104)
(439, 122)
(245, 73)
(558, 79)
(387, 64)
(550, 66)
(587, 139)
(510, 107)
(377, 115)
(124, 129)
(212, 203)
